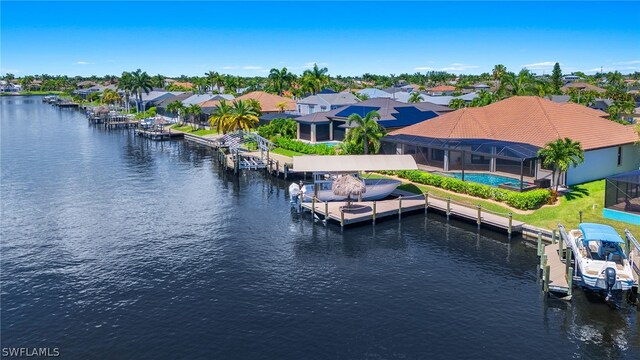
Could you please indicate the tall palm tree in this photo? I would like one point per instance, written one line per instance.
(194, 111)
(498, 72)
(243, 116)
(219, 117)
(176, 108)
(214, 79)
(280, 79)
(521, 84)
(559, 155)
(110, 97)
(316, 78)
(158, 81)
(457, 103)
(415, 97)
(141, 82)
(367, 130)
(254, 105)
(126, 84)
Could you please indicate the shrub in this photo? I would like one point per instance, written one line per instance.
(304, 148)
(519, 200)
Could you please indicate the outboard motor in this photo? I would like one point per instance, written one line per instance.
(294, 193)
(610, 279)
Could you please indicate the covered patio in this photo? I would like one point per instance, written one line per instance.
(622, 197)
(468, 156)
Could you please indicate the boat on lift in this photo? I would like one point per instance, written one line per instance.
(376, 189)
(601, 263)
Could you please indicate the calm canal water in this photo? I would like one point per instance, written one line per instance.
(117, 247)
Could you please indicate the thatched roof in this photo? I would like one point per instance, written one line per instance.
(348, 185)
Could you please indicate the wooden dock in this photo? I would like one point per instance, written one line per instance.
(371, 211)
(158, 135)
(557, 275)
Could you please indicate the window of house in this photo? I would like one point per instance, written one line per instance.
(437, 154)
(619, 155)
(323, 108)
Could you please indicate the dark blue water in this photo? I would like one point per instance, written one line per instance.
(117, 247)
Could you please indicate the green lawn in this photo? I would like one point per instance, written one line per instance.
(286, 152)
(189, 129)
(587, 197)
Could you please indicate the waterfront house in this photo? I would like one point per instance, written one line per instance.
(505, 137)
(196, 99)
(446, 99)
(161, 106)
(331, 125)
(153, 98)
(324, 102)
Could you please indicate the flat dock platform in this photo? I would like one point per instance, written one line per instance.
(370, 211)
(558, 283)
(158, 135)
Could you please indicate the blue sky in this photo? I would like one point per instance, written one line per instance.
(249, 38)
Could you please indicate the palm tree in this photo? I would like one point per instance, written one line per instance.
(177, 108)
(281, 106)
(498, 72)
(457, 103)
(255, 105)
(368, 131)
(220, 115)
(214, 79)
(521, 84)
(157, 81)
(559, 155)
(415, 97)
(243, 116)
(110, 97)
(484, 98)
(194, 111)
(126, 84)
(280, 79)
(315, 78)
(141, 82)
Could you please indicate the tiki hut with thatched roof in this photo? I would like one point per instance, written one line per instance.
(348, 185)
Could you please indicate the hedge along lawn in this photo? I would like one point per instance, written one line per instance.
(285, 152)
(581, 198)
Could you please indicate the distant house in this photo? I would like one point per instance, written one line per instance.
(331, 125)
(196, 99)
(441, 90)
(153, 98)
(85, 84)
(164, 104)
(324, 102)
(372, 93)
(6, 86)
(582, 86)
(506, 136)
(571, 78)
(265, 119)
(446, 99)
(83, 93)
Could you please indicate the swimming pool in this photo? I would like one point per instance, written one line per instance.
(488, 179)
(329, 143)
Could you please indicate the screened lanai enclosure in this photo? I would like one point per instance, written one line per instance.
(465, 158)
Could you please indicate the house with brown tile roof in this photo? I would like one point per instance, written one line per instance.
(582, 86)
(268, 102)
(441, 90)
(505, 137)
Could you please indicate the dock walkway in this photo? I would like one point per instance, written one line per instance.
(370, 211)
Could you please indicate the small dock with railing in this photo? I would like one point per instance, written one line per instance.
(158, 134)
(349, 213)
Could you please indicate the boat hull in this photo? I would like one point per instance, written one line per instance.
(377, 189)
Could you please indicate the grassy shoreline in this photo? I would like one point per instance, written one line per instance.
(587, 197)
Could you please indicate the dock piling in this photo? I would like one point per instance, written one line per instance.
(479, 220)
(547, 270)
(326, 211)
(570, 281)
(399, 207)
(560, 246)
(373, 216)
(569, 269)
(448, 207)
(341, 217)
(540, 248)
(426, 202)
(510, 225)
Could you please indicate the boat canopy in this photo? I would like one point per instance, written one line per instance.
(352, 163)
(599, 232)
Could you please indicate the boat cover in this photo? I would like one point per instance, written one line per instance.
(599, 232)
(352, 163)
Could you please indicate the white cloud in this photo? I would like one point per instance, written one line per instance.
(246, 67)
(631, 62)
(423, 68)
(10, 71)
(539, 66)
(82, 63)
(458, 67)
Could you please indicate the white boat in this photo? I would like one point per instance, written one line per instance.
(376, 189)
(599, 259)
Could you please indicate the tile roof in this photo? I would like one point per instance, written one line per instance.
(197, 99)
(526, 119)
(582, 86)
(443, 88)
(267, 101)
